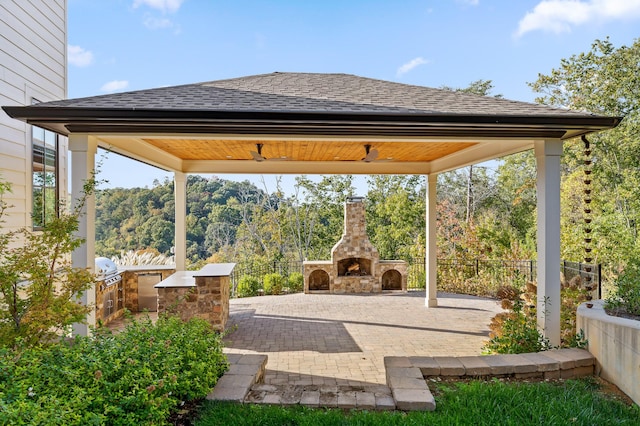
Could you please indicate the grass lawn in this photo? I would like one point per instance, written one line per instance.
(571, 402)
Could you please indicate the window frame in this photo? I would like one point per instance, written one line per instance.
(45, 156)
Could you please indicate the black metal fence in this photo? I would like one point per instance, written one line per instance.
(259, 270)
(499, 272)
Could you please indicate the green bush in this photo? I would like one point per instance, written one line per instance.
(626, 296)
(138, 376)
(295, 282)
(248, 286)
(273, 283)
(518, 333)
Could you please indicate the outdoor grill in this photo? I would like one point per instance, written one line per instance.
(107, 271)
(109, 295)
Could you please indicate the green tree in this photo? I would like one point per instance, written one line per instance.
(604, 80)
(38, 284)
(326, 210)
(396, 215)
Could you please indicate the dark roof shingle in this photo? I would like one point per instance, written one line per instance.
(311, 92)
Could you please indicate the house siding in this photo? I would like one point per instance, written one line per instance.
(33, 65)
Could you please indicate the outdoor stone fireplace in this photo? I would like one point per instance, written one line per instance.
(355, 265)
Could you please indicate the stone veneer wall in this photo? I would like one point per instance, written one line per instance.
(395, 265)
(130, 279)
(354, 241)
(355, 244)
(207, 299)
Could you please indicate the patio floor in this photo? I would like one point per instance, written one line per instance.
(328, 339)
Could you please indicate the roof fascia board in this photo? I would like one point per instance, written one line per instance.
(333, 131)
(78, 114)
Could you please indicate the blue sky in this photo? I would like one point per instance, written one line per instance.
(122, 45)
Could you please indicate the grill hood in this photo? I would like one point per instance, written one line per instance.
(105, 267)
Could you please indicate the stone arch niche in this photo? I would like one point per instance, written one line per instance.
(319, 280)
(392, 280)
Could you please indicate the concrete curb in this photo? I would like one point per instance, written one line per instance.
(244, 372)
(406, 375)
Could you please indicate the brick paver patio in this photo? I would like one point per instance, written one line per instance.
(329, 339)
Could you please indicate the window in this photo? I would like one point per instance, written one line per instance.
(45, 176)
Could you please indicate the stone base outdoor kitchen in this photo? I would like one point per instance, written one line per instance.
(198, 294)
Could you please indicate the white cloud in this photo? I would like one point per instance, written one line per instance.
(154, 23)
(558, 16)
(405, 68)
(469, 2)
(78, 56)
(165, 6)
(114, 86)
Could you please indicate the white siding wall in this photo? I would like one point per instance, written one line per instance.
(33, 65)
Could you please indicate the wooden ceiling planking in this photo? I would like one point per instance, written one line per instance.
(304, 150)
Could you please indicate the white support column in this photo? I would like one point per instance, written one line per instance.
(83, 157)
(180, 243)
(431, 266)
(548, 154)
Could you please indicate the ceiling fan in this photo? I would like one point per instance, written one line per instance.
(371, 155)
(257, 155)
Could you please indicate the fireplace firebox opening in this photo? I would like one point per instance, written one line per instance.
(354, 267)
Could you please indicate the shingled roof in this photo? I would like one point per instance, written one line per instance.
(309, 104)
(311, 92)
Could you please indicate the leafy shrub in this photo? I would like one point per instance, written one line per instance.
(273, 283)
(453, 280)
(626, 295)
(39, 286)
(296, 282)
(516, 332)
(135, 377)
(248, 286)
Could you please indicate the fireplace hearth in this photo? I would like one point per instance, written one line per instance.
(355, 265)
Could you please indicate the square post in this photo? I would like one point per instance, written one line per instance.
(548, 154)
(431, 263)
(180, 230)
(83, 158)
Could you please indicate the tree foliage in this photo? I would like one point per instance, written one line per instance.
(604, 80)
(38, 284)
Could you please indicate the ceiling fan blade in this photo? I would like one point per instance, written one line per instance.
(257, 156)
(371, 156)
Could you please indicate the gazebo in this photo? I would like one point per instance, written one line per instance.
(320, 124)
